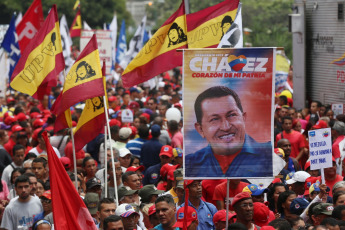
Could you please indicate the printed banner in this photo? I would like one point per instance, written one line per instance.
(320, 148)
(228, 112)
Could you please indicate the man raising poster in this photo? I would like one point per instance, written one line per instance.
(230, 151)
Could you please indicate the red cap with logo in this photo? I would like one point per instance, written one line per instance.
(166, 150)
(191, 216)
(152, 210)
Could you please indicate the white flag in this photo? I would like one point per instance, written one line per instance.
(66, 42)
(86, 26)
(113, 29)
(4, 68)
(135, 44)
(234, 36)
(19, 18)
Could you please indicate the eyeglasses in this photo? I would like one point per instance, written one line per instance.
(250, 205)
(46, 201)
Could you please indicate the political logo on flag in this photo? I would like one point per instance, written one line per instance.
(206, 28)
(42, 61)
(11, 45)
(159, 53)
(75, 29)
(121, 44)
(232, 31)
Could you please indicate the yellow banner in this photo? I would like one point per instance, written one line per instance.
(40, 62)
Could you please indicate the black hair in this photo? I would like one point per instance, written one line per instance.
(18, 109)
(237, 226)
(318, 104)
(167, 198)
(310, 210)
(40, 160)
(270, 195)
(111, 218)
(143, 131)
(134, 157)
(39, 135)
(293, 219)
(42, 183)
(336, 195)
(173, 125)
(35, 110)
(282, 198)
(105, 201)
(16, 148)
(154, 99)
(280, 224)
(20, 170)
(86, 159)
(214, 92)
(109, 163)
(21, 179)
(29, 174)
(284, 99)
(286, 118)
(329, 221)
(126, 175)
(337, 212)
(30, 155)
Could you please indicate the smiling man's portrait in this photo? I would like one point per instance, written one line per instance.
(231, 152)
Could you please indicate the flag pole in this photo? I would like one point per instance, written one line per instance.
(186, 6)
(107, 122)
(74, 162)
(105, 163)
(227, 203)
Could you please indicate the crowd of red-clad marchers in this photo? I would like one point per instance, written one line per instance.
(148, 160)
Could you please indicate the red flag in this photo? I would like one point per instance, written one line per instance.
(76, 26)
(30, 24)
(70, 212)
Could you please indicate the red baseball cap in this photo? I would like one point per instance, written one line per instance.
(276, 180)
(307, 165)
(221, 216)
(65, 161)
(191, 216)
(166, 168)
(35, 115)
(166, 150)
(320, 125)
(16, 128)
(261, 214)
(308, 182)
(187, 182)
(146, 115)
(133, 105)
(239, 197)
(21, 117)
(38, 123)
(112, 98)
(10, 119)
(152, 210)
(114, 122)
(47, 194)
(134, 168)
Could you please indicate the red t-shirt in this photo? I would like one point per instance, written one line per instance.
(335, 147)
(208, 187)
(296, 141)
(330, 184)
(220, 192)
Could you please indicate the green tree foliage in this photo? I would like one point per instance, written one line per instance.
(95, 13)
(269, 22)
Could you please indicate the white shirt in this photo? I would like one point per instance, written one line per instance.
(35, 151)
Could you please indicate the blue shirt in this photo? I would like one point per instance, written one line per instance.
(205, 213)
(152, 175)
(254, 160)
(135, 146)
(149, 154)
(160, 227)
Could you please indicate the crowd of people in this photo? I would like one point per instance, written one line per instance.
(148, 153)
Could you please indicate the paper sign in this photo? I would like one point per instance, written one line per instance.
(320, 148)
(127, 115)
(338, 109)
